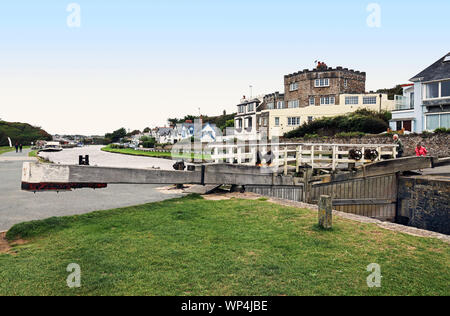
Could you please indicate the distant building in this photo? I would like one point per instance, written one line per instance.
(245, 119)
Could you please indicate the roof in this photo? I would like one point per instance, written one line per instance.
(439, 70)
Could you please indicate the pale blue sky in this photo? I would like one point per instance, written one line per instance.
(136, 63)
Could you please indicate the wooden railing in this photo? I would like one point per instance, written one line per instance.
(316, 156)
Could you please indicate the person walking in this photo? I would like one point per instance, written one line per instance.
(421, 151)
(20, 147)
(17, 147)
(400, 146)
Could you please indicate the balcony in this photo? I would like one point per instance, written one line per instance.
(403, 103)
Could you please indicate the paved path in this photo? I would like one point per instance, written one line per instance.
(18, 206)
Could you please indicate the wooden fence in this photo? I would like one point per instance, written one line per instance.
(317, 156)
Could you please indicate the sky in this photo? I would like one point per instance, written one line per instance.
(133, 64)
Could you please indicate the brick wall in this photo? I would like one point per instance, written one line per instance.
(423, 202)
(436, 144)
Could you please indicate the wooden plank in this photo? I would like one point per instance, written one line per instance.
(340, 202)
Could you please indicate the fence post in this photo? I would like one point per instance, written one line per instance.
(298, 156)
(286, 160)
(312, 157)
(333, 159)
(253, 159)
(216, 153)
(239, 154)
(325, 212)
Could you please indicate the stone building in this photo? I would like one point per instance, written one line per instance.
(322, 86)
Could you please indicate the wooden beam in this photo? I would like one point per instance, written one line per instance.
(386, 167)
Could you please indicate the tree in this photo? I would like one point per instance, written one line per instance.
(117, 135)
(146, 130)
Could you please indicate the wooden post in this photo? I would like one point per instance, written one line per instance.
(286, 160)
(325, 212)
(216, 153)
(333, 161)
(239, 154)
(298, 158)
(312, 157)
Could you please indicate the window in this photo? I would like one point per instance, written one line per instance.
(445, 89)
(322, 82)
(265, 121)
(438, 120)
(411, 100)
(432, 90)
(351, 100)
(248, 123)
(345, 83)
(369, 100)
(251, 107)
(293, 104)
(293, 86)
(310, 119)
(280, 104)
(326, 100)
(241, 108)
(293, 121)
(312, 101)
(260, 120)
(270, 105)
(239, 123)
(277, 121)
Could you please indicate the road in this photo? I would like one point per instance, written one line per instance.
(18, 206)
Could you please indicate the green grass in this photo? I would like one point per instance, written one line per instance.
(168, 154)
(191, 246)
(5, 149)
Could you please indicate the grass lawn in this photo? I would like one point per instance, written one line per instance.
(168, 154)
(191, 246)
(6, 149)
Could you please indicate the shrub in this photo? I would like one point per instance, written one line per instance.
(442, 130)
(362, 121)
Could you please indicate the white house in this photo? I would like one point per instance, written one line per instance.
(429, 101)
(245, 119)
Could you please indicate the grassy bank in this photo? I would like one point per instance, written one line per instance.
(192, 246)
(167, 154)
(5, 149)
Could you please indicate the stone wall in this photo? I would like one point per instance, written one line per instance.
(438, 145)
(356, 83)
(423, 202)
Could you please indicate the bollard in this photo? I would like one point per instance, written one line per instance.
(325, 212)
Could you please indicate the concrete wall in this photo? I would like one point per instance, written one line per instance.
(436, 144)
(424, 203)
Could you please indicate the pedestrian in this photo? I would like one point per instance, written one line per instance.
(400, 146)
(20, 147)
(421, 151)
(17, 147)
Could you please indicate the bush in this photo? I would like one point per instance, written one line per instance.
(361, 121)
(442, 130)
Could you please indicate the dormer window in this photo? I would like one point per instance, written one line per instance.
(447, 59)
